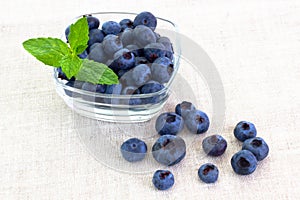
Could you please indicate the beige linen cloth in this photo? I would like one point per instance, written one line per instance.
(255, 46)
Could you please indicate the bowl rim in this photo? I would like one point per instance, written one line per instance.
(166, 88)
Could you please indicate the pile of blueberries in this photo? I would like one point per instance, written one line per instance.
(142, 59)
(169, 149)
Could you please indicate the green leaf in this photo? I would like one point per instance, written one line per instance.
(79, 36)
(96, 73)
(70, 65)
(47, 50)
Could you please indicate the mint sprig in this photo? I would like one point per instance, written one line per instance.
(54, 52)
(79, 36)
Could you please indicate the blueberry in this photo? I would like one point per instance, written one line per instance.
(147, 19)
(208, 173)
(169, 123)
(83, 55)
(97, 53)
(141, 60)
(61, 74)
(89, 87)
(163, 179)
(184, 108)
(121, 72)
(243, 162)
(153, 51)
(123, 60)
(114, 89)
(127, 37)
(95, 36)
(162, 69)
(143, 35)
(169, 150)
(138, 52)
(141, 74)
(111, 44)
(257, 146)
(152, 87)
(214, 145)
(197, 121)
(126, 23)
(127, 79)
(134, 150)
(168, 46)
(68, 92)
(89, 49)
(100, 88)
(111, 27)
(244, 130)
(67, 32)
(131, 90)
(78, 84)
(93, 22)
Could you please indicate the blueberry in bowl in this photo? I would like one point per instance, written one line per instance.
(143, 53)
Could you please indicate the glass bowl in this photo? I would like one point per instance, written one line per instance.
(113, 107)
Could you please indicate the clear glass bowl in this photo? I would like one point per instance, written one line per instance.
(112, 107)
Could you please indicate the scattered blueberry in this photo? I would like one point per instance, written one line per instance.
(153, 51)
(163, 179)
(208, 173)
(134, 150)
(126, 23)
(184, 108)
(147, 19)
(169, 123)
(197, 121)
(111, 27)
(257, 146)
(214, 145)
(244, 130)
(243, 162)
(169, 150)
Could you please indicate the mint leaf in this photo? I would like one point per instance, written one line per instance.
(79, 36)
(70, 65)
(47, 50)
(96, 73)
